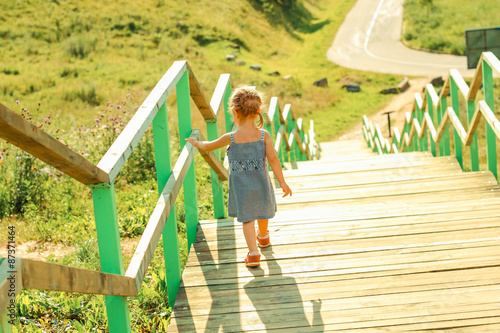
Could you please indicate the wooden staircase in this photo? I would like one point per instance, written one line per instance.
(366, 243)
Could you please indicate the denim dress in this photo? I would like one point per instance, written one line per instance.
(251, 194)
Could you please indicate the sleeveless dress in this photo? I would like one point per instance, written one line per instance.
(251, 194)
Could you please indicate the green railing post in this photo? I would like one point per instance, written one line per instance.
(430, 110)
(302, 138)
(455, 104)
(170, 239)
(110, 253)
(491, 143)
(189, 184)
(228, 117)
(474, 148)
(217, 194)
(444, 147)
(416, 139)
(422, 141)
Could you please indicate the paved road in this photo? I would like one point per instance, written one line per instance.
(370, 39)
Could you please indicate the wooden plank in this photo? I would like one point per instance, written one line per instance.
(49, 276)
(335, 231)
(120, 150)
(212, 160)
(35, 141)
(199, 98)
(220, 91)
(455, 121)
(149, 239)
(460, 82)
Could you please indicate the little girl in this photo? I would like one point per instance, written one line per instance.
(251, 194)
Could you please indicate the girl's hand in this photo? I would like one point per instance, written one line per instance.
(286, 189)
(194, 142)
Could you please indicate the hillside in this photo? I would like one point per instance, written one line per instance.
(73, 57)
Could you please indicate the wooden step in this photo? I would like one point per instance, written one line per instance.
(366, 243)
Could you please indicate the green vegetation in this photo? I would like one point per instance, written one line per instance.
(440, 25)
(80, 69)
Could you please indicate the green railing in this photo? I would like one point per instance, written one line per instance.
(291, 144)
(427, 126)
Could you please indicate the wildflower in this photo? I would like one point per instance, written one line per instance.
(46, 119)
(102, 116)
(51, 175)
(108, 103)
(17, 102)
(44, 207)
(106, 127)
(24, 109)
(97, 120)
(142, 160)
(111, 105)
(118, 106)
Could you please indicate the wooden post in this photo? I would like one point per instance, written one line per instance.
(491, 144)
(185, 128)
(474, 148)
(430, 110)
(228, 117)
(422, 142)
(163, 161)
(110, 253)
(217, 194)
(455, 104)
(444, 146)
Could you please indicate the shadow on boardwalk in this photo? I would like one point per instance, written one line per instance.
(276, 298)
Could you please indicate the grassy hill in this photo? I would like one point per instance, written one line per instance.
(440, 25)
(73, 57)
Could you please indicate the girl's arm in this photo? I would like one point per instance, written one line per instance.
(211, 145)
(275, 164)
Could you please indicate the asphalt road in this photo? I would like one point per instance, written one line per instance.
(370, 39)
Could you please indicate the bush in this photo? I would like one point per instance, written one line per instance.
(80, 46)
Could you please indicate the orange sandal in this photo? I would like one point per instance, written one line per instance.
(252, 260)
(264, 241)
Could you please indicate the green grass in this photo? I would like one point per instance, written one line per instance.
(441, 26)
(90, 64)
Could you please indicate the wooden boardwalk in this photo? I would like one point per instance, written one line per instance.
(367, 243)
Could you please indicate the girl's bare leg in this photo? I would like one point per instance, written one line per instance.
(263, 227)
(250, 236)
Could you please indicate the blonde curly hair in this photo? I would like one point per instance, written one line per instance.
(247, 101)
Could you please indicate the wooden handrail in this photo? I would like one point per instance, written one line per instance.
(120, 150)
(32, 274)
(151, 235)
(18, 131)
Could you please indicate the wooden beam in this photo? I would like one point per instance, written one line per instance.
(430, 125)
(11, 281)
(442, 126)
(18, 131)
(457, 124)
(459, 80)
(120, 150)
(476, 83)
(273, 108)
(219, 93)
(199, 98)
(212, 160)
(49, 276)
(149, 239)
(493, 61)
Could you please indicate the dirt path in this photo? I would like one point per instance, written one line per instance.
(401, 104)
